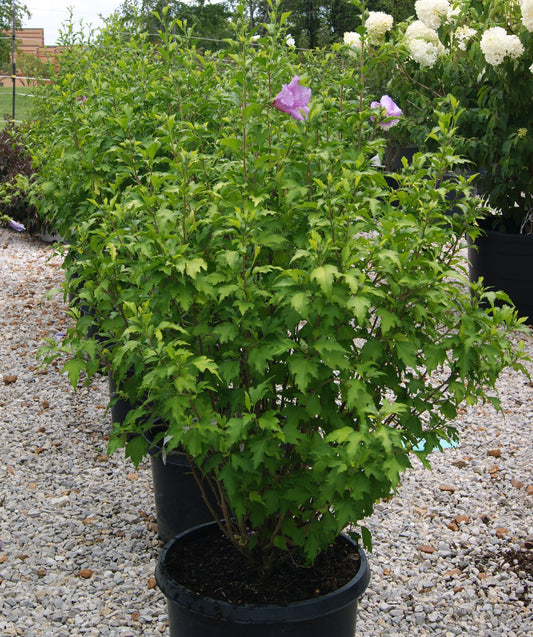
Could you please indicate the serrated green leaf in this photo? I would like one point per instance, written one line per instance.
(203, 363)
(300, 302)
(303, 369)
(388, 320)
(73, 369)
(194, 266)
(324, 275)
(136, 449)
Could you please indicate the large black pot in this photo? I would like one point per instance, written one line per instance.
(179, 504)
(191, 615)
(505, 261)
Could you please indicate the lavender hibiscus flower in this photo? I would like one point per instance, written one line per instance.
(390, 110)
(293, 99)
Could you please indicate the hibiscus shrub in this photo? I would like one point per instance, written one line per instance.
(300, 326)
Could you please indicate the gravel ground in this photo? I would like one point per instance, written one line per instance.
(78, 544)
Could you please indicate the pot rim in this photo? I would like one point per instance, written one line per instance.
(260, 613)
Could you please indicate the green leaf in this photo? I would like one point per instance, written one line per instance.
(232, 143)
(136, 449)
(257, 393)
(259, 448)
(194, 266)
(367, 538)
(324, 275)
(303, 369)
(360, 306)
(226, 332)
(203, 363)
(407, 352)
(388, 320)
(300, 302)
(73, 369)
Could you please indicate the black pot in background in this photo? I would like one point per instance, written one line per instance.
(119, 406)
(178, 500)
(191, 615)
(397, 154)
(86, 310)
(505, 261)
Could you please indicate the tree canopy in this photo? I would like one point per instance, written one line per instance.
(7, 8)
(312, 23)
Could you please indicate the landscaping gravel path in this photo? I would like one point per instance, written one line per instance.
(78, 544)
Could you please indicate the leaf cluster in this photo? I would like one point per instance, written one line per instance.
(494, 133)
(16, 175)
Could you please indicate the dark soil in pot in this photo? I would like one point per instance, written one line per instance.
(216, 569)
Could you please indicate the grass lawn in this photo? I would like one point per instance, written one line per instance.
(22, 103)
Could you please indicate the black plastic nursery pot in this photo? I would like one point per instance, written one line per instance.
(505, 261)
(397, 154)
(120, 407)
(193, 615)
(179, 504)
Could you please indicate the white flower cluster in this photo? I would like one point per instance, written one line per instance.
(377, 24)
(463, 35)
(353, 39)
(424, 44)
(431, 12)
(497, 44)
(527, 14)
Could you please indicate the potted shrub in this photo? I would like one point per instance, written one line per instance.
(299, 327)
(303, 334)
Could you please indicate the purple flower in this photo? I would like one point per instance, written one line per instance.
(16, 225)
(391, 110)
(83, 98)
(293, 99)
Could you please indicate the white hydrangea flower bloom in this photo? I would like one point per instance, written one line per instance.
(424, 44)
(527, 14)
(418, 29)
(423, 52)
(353, 39)
(496, 44)
(431, 12)
(515, 48)
(463, 35)
(377, 24)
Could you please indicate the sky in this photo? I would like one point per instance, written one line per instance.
(50, 14)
